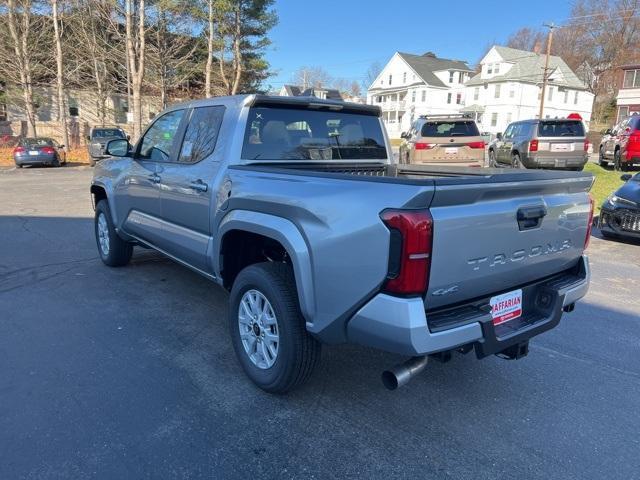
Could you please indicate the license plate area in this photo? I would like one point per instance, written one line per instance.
(506, 307)
(33, 152)
(451, 150)
(561, 147)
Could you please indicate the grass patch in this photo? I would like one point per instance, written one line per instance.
(607, 182)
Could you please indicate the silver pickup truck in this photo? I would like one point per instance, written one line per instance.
(295, 206)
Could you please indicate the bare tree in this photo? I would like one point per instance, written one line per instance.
(526, 38)
(312, 76)
(136, 43)
(211, 32)
(19, 60)
(62, 111)
(371, 74)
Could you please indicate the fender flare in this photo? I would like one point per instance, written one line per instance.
(109, 197)
(283, 231)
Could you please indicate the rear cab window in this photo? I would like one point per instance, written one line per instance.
(300, 133)
(561, 128)
(466, 128)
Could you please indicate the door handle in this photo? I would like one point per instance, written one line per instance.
(199, 186)
(531, 217)
(155, 178)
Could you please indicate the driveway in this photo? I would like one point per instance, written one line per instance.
(129, 373)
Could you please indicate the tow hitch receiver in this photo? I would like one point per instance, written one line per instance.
(514, 352)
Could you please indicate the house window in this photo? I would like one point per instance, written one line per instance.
(404, 77)
(379, 99)
(448, 98)
(497, 91)
(566, 96)
(623, 113)
(73, 111)
(424, 95)
(494, 119)
(539, 93)
(575, 98)
(631, 79)
(512, 92)
(496, 68)
(390, 79)
(490, 68)
(413, 96)
(550, 95)
(459, 98)
(476, 93)
(451, 76)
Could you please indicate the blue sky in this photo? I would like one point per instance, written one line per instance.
(345, 37)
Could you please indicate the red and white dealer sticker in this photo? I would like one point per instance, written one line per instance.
(506, 307)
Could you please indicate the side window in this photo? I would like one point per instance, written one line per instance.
(158, 141)
(202, 134)
(508, 133)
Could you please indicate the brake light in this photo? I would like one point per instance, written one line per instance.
(590, 224)
(48, 150)
(586, 145)
(475, 144)
(425, 146)
(409, 251)
(18, 150)
(533, 146)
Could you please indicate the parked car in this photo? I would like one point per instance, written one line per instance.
(294, 205)
(549, 144)
(620, 212)
(448, 140)
(98, 138)
(621, 145)
(39, 151)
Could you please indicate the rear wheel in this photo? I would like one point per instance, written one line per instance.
(617, 161)
(268, 330)
(113, 250)
(516, 162)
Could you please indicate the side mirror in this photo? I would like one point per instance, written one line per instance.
(626, 177)
(118, 148)
(607, 131)
(403, 135)
(129, 137)
(60, 146)
(88, 138)
(499, 136)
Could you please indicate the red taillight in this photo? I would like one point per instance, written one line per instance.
(590, 224)
(411, 252)
(533, 146)
(475, 144)
(48, 150)
(586, 145)
(18, 150)
(425, 146)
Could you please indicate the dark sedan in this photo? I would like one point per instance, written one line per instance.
(39, 151)
(620, 213)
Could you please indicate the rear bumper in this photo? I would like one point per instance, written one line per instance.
(401, 325)
(34, 159)
(539, 161)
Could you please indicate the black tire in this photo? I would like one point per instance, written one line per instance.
(56, 162)
(516, 162)
(118, 253)
(492, 159)
(617, 161)
(18, 165)
(298, 352)
(601, 160)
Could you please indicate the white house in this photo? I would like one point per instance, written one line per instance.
(628, 98)
(509, 85)
(412, 85)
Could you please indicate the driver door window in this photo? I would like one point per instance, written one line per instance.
(158, 142)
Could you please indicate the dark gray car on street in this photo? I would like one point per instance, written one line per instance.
(39, 151)
(295, 205)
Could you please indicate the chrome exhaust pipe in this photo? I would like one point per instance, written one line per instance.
(401, 374)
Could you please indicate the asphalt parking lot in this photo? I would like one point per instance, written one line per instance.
(129, 373)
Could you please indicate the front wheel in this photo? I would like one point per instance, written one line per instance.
(617, 161)
(114, 251)
(268, 330)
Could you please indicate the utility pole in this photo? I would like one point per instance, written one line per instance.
(545, 74)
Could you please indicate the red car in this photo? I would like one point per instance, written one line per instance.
(621, 145)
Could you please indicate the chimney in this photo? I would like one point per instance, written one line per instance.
(537, 47)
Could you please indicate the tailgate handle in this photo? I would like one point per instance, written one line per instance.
(531, 217)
